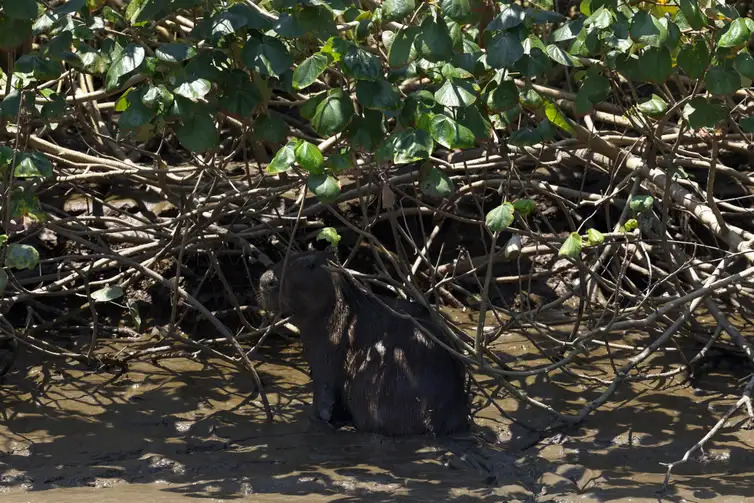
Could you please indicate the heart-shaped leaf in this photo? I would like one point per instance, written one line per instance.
(330, 235)
(198, 133)
(498, 219)
(107, 294)
(435, 183)
(640, 204)
(175, 52)
(309, 157)
(325, 187)
(19, 256)
(377, 94)
(309, 70)
(571, 247)
(594, 237)
(333, 114)
(449, 133)
(284, 159)
(456, 93)
(129, 60)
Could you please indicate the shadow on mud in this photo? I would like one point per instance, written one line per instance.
(180, 427)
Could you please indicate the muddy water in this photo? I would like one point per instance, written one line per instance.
(177, 428)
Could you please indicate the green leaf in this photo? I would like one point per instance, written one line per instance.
(32, 165)
(340, 162)
(40, 67)
(129, 60)
(415, 105)
(647, 29)
(504, 50)
(640, 204)
(397, 9)
(722, 80)
(503, 97)
(267, 55)
(694, 58)
(701, 113)
(600, 19)
(745, 65)
(360, 64)
(284, 159)
(533, 64)
(511, 15)
(368, 131)
(435, 183)
(19, 256)
(156, 97)
(198, 133)
(433, 41)
(325, 187)
(309, 157)
(402, 50)
(25, 204)
(560, 56)
(693, 14)
(737, 34)
(630, 225)
(594, 237)
(193, 90)
(409, 145)
(330, 235)
(20, 9)
(524, 207)
(655, 65)
(309, 70)
(747, 124)
(6, 157)
(456, 93)
(653, 107)
(568, 31)
(175, 52)
(459, 11)
(136, 113)
(449, 133)
(473, 119)
(557, 117)
(378, 94)
(270, 128)
(239, 97)
(333, 113)
(571, 247)
(107, 294)
(13, 32)
(500, 218)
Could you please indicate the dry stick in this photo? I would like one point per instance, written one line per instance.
(478, 336)
(204, 311)
(737, 239)
(634, 361)
(744, 400)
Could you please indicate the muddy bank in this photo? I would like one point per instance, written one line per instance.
(179, 428)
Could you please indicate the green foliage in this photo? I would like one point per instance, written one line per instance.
(439, 79)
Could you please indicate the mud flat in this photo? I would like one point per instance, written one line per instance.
(177, 428)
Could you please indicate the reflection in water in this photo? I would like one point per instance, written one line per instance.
(184, 428)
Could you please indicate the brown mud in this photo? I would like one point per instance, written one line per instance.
(176, 428)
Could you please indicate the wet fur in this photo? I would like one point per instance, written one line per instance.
(369, 366)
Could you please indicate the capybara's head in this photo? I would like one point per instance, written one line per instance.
(305, 286)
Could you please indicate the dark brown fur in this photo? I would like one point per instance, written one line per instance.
(368, 365)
